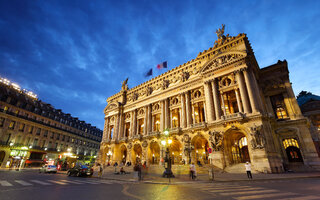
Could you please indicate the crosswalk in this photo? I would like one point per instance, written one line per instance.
(13, 183)
(245, 192)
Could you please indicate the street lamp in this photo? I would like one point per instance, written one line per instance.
(167, 161)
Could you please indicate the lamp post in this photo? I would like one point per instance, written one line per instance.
(166, 142)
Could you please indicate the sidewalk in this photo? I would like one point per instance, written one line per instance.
(204, 178)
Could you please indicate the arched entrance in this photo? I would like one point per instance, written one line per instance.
(292, 150)
(123, 151)
(2, 156)
(201, 146)
(137, 153)
(154, 153)
(176, 151)
(236, 148)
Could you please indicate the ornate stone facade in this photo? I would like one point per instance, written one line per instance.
(220, 100)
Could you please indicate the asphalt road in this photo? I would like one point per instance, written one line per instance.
(32, 185)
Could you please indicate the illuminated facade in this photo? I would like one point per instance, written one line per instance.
(221, 100)
(32, 131)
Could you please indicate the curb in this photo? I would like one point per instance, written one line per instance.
(214, 181)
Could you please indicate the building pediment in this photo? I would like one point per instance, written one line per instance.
(221, 60)
(111, 107)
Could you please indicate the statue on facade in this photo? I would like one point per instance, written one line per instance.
(220, 32)
(216, 140)
(125, 84)
(257, 137)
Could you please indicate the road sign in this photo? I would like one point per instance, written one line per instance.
(209, 150)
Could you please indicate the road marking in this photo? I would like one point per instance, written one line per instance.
(89, 182)
(303, 197)
(236, 190)
(225, 188)
(248, 192)
(40, 182)
(23, 182)
(105, 182)
(266, 196)
(5, 183)
(58, 182)
(71, 182)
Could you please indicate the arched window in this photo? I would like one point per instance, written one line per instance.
(197, 94)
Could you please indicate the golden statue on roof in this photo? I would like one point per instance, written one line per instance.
(220, 31)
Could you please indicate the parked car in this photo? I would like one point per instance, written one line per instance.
(80, 170)
(48, 169)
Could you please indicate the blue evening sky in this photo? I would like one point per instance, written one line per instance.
(75, 54)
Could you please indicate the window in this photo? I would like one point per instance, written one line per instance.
(175, 118)
(290, 142)
(35, 142)
(156, 125)
(30, 129)
(38, 131)
(111, 132)
(11, 125)
(141, 126)
(21, 127)
(5, 108)
(1, 121)
(52, 135)
(45, 134)
(127, 129)
(279, 107)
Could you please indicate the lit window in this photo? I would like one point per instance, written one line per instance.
(290, 142)
(279, 106)
(11, 125)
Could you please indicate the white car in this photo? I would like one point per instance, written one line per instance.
(48, 169)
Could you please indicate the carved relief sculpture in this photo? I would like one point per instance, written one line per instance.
(257, 137)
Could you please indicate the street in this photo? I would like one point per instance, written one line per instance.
(32, 185)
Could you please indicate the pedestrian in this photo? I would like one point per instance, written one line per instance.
(100, 171)
(248, 169)
(192, 171)
(139, 172)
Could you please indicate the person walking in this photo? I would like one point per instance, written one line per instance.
(192, 171)
(100, 171)
(248, 169)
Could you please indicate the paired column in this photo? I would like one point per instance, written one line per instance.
(183, 111)
(238, 100)
(162, 116)
(216, 101)
(145, 125)
(243, 92)
(253, 102)
(150, 122)
(188, 108)
(167, 113)
(209, 102)
(134, 129)
(223, 106)
(106, 129)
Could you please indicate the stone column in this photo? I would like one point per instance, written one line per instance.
(216, 99)
(253, 102)
(243, 92)
(223, 106)
(134, 131)
(167, 115)
(145, 122)
(188, 109)
(238, 100)
(162, 118)
(150, 122)
(257, 90)
(209, 101)
(106, 129)
(116, 128)
(183, 111)
(121, 122)
(131, 125)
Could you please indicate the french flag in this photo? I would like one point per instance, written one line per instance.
(162, 65)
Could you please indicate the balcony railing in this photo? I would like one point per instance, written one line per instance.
(233, 116)
(155, 133)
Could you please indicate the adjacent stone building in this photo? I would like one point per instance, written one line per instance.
(32, 131)
(221, 101)
(310, 108)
